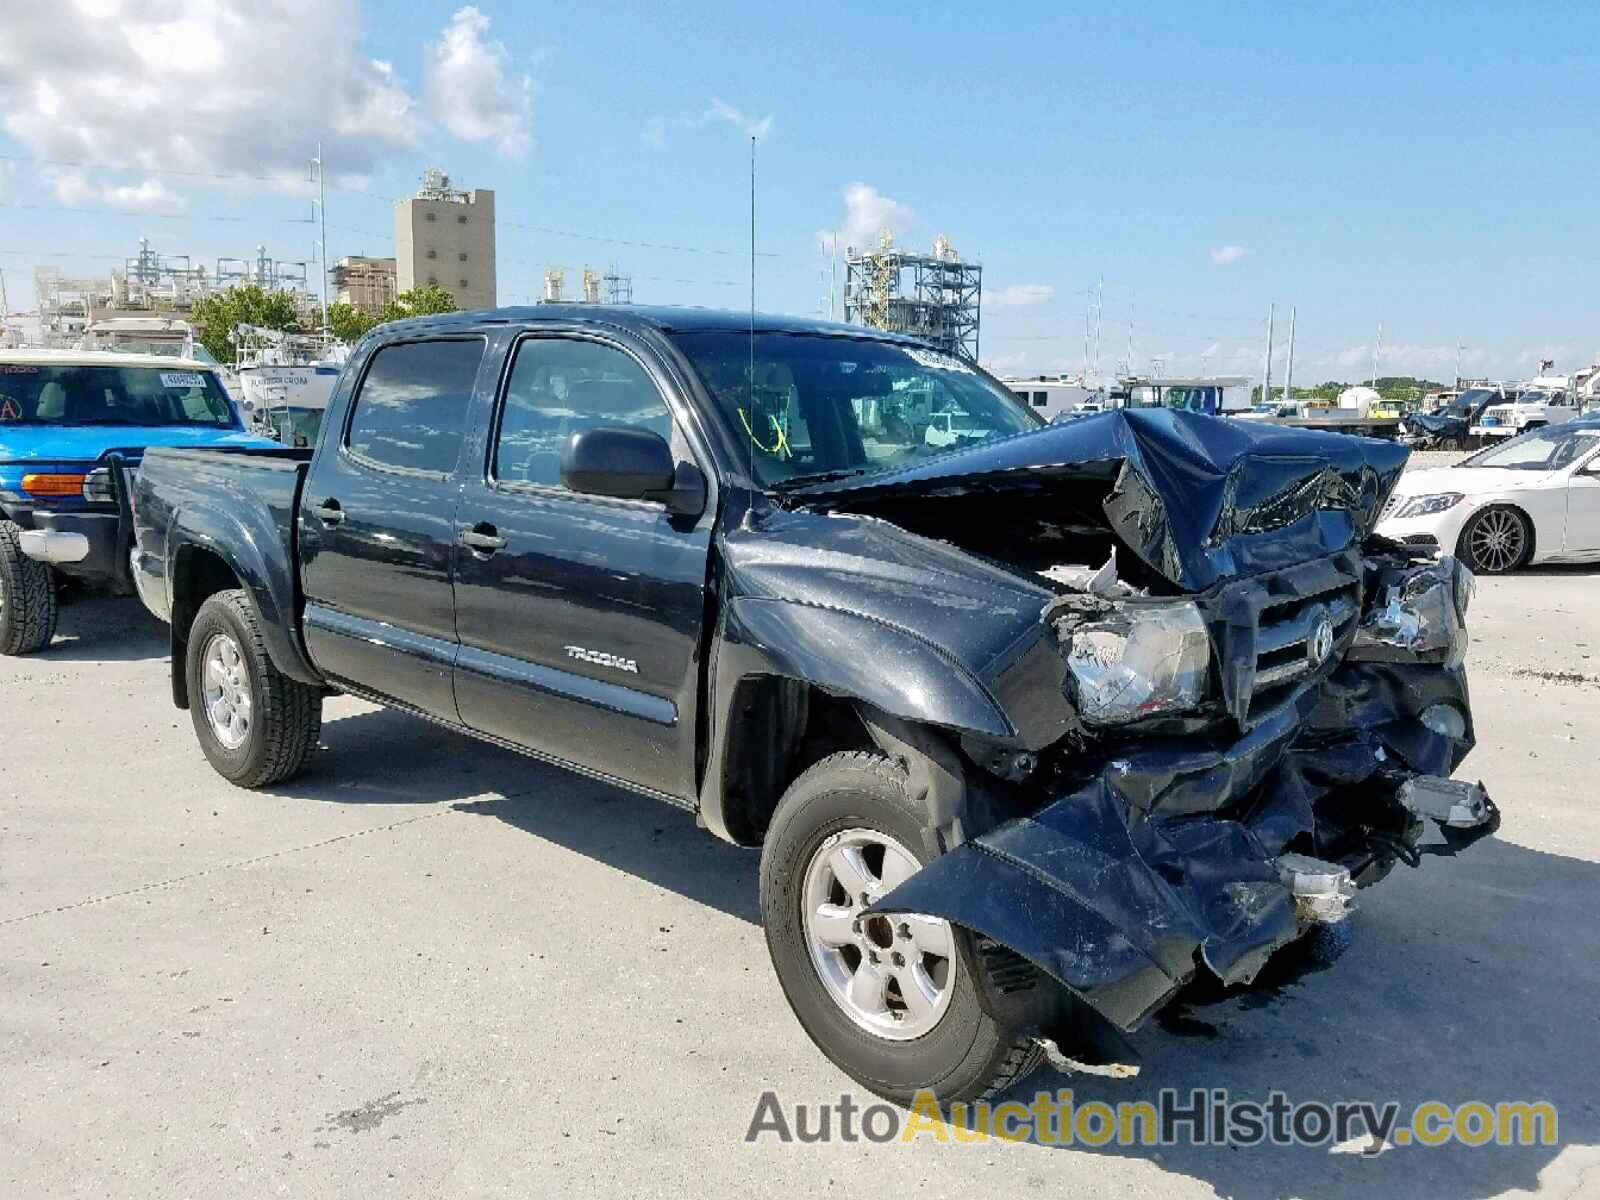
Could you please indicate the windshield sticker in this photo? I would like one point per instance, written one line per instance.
(17, 369)
(9, 411)
(937, 362)
(181, 379)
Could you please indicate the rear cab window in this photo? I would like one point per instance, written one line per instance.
(411, 411)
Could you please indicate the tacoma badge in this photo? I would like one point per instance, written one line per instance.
(601, 659)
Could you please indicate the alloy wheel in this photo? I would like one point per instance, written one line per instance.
(226, 681)
(1498, 540)
(892, 975)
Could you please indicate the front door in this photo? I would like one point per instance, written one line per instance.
(580, 617)
(377, 526)
(1583, 503)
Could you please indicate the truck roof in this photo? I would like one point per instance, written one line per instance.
(663, 318)
(102, 358)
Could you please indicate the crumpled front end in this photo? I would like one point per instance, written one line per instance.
(1168, 848)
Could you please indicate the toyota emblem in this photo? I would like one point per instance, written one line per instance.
(1319, 646)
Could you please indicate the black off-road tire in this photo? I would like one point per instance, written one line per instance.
(27, 597)
(286, 714)
(1451, 443)
(1468, 554)
(968, 1054)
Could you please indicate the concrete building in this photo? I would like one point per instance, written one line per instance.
(366, 284)
(446, 237)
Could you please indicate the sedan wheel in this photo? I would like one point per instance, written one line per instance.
(1496, 541)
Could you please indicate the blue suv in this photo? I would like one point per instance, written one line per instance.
(73, 425)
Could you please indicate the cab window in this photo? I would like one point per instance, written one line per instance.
(411, 411)
(559, 386)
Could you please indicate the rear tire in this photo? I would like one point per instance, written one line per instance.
(960, 1052)
(255, 724)
(1450, 443)
(27, 597)
(1496, 541)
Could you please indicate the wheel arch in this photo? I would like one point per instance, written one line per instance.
(203, 564)
(792, 683)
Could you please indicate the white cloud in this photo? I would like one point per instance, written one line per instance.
(148, 195)
(473, 91)
(658, 129)
(1010, 363)
(1420, 359)
(867, 213)
(76, 188)
(1018, 295)
(1224, 256)
(198, 85)
(756, 127)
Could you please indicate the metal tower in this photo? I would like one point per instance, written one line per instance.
(935, 297)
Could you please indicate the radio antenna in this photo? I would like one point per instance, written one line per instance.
(750, 382)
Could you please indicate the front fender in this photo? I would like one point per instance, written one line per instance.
(252, 547)
(862, 658)
(881, 666)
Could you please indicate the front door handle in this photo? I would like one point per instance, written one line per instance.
(483, 538)
(330, 512)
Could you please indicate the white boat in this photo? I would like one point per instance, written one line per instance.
(285, 381)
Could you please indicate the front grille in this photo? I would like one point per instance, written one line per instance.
(1285, 636)
(1273, 632)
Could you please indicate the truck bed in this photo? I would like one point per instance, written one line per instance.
(242, 500)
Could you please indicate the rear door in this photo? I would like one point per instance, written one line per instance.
(580, 616)
(377, 526)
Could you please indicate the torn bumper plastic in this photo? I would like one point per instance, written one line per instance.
(1184, 853)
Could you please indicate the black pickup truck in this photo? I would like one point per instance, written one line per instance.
(1033, 729)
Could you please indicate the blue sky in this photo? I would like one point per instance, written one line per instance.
(1432, 168)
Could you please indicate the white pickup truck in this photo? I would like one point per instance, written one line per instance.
(1531, 409)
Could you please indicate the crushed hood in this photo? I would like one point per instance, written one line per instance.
(1198, 499)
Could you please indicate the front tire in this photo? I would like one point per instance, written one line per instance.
(892, 1001)
(255, 724)
(27, 597)
(1496, 541)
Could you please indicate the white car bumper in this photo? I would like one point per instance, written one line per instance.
(1439, 531)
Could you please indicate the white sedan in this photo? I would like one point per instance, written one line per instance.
(1533, 499)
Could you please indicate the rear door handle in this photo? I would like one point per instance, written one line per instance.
(483, 538)
(330, 512)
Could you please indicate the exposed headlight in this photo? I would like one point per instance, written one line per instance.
(1140, 662)
(1426, 506)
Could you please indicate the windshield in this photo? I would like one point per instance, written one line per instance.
(42, 394)
(829, 407)
(1463, 404)
(1190, 399)
(1547, 449)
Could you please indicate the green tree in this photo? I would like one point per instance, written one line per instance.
(246, 304)
(347, 322)
(420, 302)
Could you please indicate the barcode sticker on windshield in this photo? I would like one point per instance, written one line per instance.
(182, 379)
(936, 361)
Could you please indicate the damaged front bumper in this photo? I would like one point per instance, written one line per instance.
(1172, 855)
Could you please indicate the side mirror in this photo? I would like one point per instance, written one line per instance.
(628, 463)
